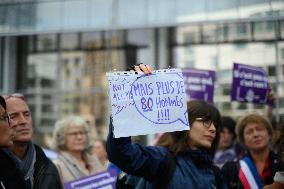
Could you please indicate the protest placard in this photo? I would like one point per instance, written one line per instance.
(147, 104)
(250, 84)
(102, 180)
(199, 84)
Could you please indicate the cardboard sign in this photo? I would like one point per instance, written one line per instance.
(147, 104)
(199, 84)
(103, 180)
(250, 84)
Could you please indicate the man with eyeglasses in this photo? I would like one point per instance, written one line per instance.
(39, 172)
(10, 175)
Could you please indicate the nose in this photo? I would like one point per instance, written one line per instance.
(80, 135)
(21, 119)
(255, 133)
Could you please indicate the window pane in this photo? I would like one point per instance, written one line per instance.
(188, 34)
(239, 31)
(242, 106)
(46, 42)
(282, 29)
(92, 40)
(115, 39)
(227, 106)
(209, 33)
(41, 92)
(264, 30)
(69, 41)
(272, 70)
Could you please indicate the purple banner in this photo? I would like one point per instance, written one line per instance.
(101, 180)
(250, 84)
(199, 84)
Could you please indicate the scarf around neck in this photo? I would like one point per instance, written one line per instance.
(201, 156)
(25, 165)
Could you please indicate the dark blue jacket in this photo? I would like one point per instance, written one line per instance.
(193, 169)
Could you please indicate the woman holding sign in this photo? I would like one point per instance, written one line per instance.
(185, 161)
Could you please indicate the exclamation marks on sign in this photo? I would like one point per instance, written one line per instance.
(163, 115)
(160, 115)
(167, 114)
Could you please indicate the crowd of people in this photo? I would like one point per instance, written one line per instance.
(217, 151)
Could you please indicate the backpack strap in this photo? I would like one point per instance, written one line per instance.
(167, 173)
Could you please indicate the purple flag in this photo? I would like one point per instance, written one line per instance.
(199, 84)
(104, 179)
(250, 84)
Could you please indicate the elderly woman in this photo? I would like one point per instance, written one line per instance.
(70, 139)
(10, 175)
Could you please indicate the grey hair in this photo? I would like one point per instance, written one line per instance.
(60, 128)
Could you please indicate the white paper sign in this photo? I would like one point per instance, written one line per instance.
(147, 104)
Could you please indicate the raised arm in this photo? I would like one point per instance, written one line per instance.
(136, 159)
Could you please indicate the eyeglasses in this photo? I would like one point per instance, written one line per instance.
(206, 122)
(74, 134)
(15, 95)
(5, 118)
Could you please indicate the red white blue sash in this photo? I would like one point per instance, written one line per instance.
(248, 174)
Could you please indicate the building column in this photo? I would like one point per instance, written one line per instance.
(9, 64)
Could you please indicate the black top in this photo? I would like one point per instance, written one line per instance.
(10, 175)
(46, 175)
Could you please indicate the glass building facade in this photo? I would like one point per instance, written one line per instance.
(57, 52)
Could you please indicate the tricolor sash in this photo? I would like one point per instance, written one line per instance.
(248, 174)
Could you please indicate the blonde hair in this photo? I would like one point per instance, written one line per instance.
(252, 118)
(61, 126)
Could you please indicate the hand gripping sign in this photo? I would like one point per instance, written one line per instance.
(147, 104)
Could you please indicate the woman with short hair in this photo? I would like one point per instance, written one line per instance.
(71, 140)
(258, 167)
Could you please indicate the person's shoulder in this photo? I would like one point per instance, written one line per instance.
(41, 158)
(38, 148)
(40, 153)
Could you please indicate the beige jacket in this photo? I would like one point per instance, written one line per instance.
(70, 169)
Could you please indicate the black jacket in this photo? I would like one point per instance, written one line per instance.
(10, 175)
(46, 175)
(231, 170)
